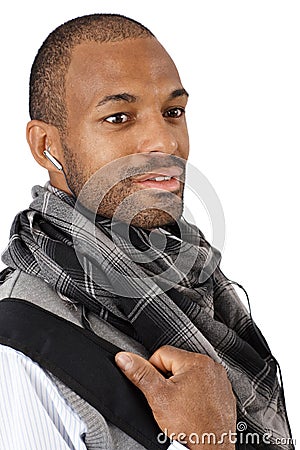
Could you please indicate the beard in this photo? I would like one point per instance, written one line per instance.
(112, 192)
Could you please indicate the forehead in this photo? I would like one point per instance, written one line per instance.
(132, 65)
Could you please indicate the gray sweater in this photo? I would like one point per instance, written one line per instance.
(101, 435)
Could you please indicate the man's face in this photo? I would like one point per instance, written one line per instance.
(126, 124)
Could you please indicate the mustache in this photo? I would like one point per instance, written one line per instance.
(153, 164)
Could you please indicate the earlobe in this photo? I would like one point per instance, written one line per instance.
(40, 136)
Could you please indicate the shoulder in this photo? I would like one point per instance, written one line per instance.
(37, 291)
(19, 284)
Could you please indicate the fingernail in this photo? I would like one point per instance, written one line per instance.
(124, 361)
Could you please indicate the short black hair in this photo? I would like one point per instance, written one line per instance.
(49, 69)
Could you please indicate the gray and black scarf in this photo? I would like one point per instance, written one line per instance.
(158, 288)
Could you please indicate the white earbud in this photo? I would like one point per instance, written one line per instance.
(52, 159)
(58, 166)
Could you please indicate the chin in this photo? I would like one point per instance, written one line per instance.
(153, 218)
(144, 209)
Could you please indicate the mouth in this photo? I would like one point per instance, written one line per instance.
(164, 178)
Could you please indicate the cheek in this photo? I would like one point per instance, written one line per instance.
(92, 148)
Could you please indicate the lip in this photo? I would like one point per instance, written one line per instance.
(173, 172)
(172, 185)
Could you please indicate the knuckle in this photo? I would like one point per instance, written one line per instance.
(163, 349)
(203, 361)
(166, 347)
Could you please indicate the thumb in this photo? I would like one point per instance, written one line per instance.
(141, 373)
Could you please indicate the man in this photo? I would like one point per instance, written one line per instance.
(108, 123)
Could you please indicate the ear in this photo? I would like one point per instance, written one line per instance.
(40, 136)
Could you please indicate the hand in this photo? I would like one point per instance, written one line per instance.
(196, 398)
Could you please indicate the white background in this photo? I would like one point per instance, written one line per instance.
(239, 60)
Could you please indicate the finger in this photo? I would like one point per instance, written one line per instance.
(177, 361)
(141, 373)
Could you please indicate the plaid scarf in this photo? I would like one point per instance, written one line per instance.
(131, 278)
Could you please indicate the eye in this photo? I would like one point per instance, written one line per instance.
(174, 113)
(117, 118)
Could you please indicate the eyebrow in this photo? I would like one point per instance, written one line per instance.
(129, 98)
(178, 93)
(117, 98)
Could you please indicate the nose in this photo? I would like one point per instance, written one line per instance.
(155, 135)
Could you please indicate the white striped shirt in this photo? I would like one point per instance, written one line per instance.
(33, 413)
